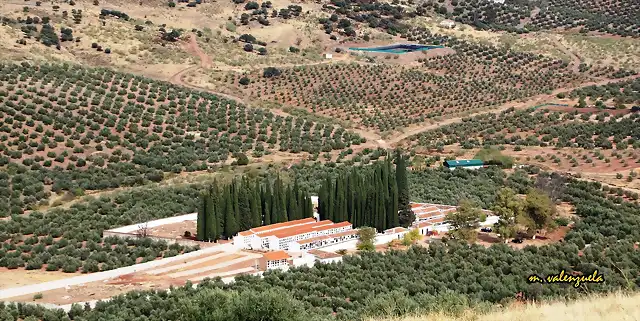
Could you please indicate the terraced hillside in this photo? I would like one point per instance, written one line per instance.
(66, 128)
(385, 97)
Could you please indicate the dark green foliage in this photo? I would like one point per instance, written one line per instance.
(251, 5)
(270, 72)
(172, 36)
(115, 13)
(406, 215)
(48, 36)
(244, 81)
(364, 198)
(248, 38)
(555, 128)
(66, 34)
(142, 127)
(85, 222)
(246, 203)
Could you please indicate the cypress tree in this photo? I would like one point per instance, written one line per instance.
(212, 219)
(230, 224)
(218, 221)
(255, 203)
(292, 205)
(244, 206)
(266, 205)
(406, 215)
(323, 199)
(282, 201)
(202, 218)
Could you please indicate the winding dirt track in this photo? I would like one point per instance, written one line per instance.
(374, 139)
(411, 131)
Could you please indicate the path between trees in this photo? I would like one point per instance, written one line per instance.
(374, 139)
(412, 131)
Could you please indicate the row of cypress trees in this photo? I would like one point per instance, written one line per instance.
(246, 203)
(374, 196)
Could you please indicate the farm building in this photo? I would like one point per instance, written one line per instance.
(447, 24)
(274, 260)
(463, 163)
(282, 236)
(431, 217)
(323, 240)
(328, 56)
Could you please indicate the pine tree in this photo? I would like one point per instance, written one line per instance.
(406, 215)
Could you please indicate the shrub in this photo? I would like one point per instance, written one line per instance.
(244, 81)
(271, 72)
(248, 47)
(294, 49)
(247, 38)
(171, 4)
(251, 6)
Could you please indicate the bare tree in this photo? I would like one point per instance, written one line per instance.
(143, 230)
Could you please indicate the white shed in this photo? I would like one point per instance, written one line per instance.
(328, 56)
(447, 24)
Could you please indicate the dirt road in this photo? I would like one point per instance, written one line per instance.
(414, 130)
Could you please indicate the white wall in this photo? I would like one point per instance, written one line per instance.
(331, 260)
(106, 275)
(306, 259)
(156, 223)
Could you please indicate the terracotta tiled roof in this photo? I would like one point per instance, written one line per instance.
(323, 255)
(276, 255)
(395, 230)
(293, 229)
(430, 222)
(315, 239)
(245, 233)
(283, 225)
(306, 229)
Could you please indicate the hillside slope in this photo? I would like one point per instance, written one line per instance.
(612, 307)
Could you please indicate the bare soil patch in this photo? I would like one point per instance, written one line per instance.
(22, 277)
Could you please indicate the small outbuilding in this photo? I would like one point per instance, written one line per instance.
(463, 163)
(328, 56)
(447, 24)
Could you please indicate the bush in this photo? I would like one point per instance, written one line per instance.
(562, 221)
(262, 51)
(107, 50)
(244, 81)
(171, 4)
(294, 49)
(271, 72)
(241, 159)
(248, 47)
(251, 6)
(247, 38)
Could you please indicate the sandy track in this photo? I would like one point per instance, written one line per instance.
(411, 131)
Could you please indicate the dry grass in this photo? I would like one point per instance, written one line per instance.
(613, 307)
